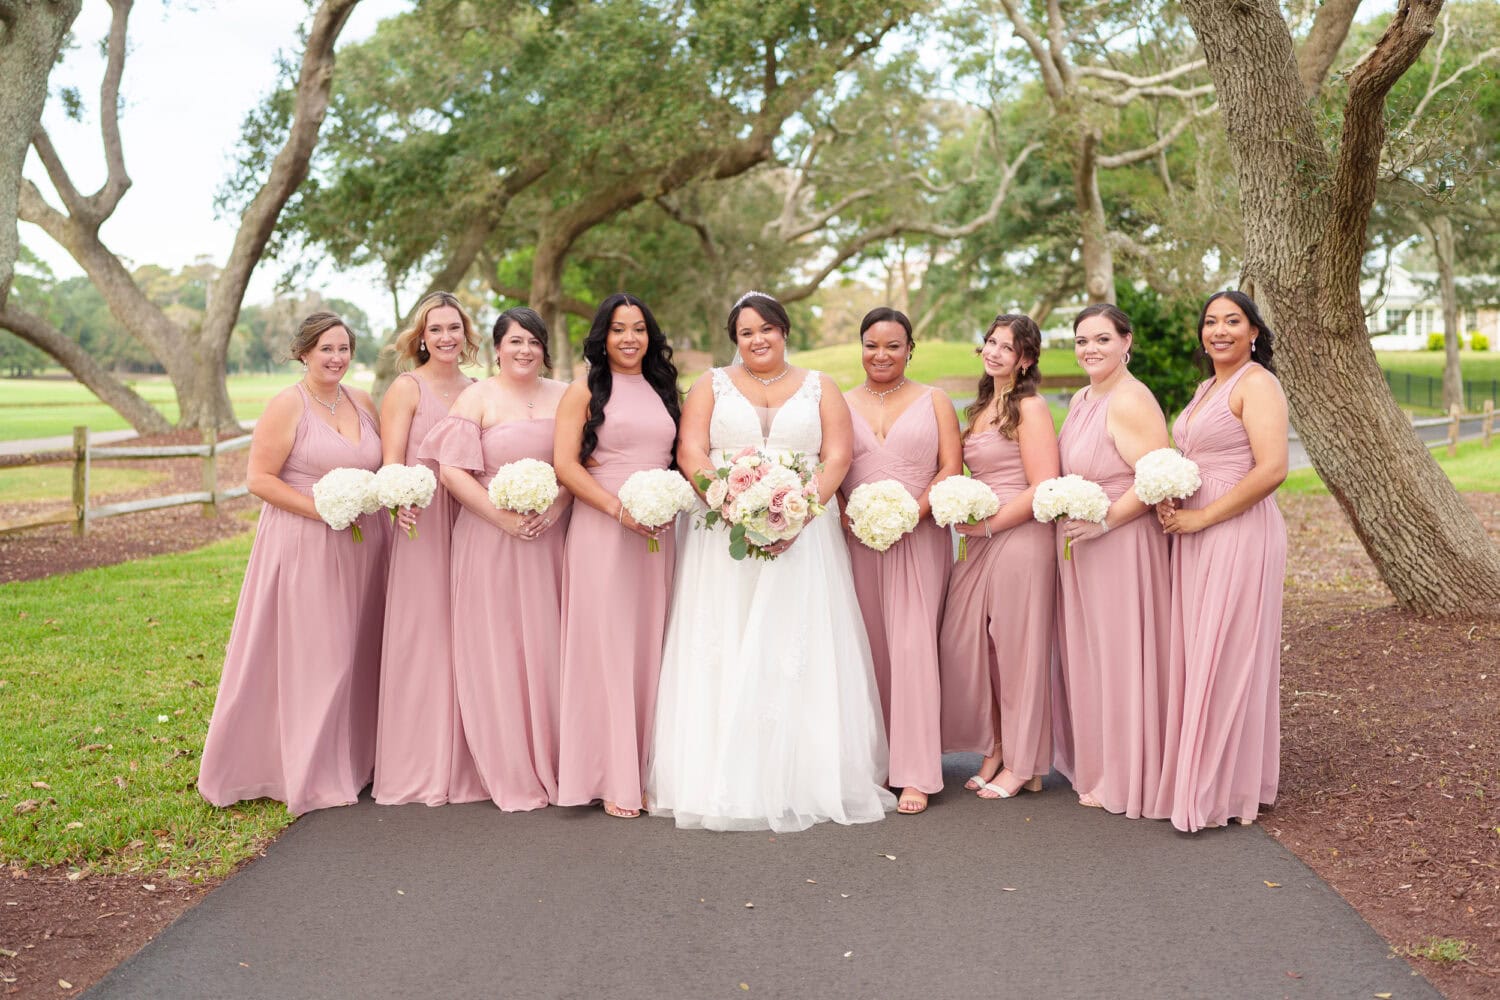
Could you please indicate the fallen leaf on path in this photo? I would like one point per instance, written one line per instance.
(843, 895)
(888, 857)
(1006, 888)
(1293, 975)
(400, 892)
(80, 873)
(1272, 885)
(1383, 996)
(749, 906)
(244, 965)
(149, 887)
(812, 881)
(848, 954)
(63, 983)
(744, 986)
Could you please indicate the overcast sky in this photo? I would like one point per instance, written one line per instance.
(194, 70)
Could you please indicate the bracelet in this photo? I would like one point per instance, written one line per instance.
(620, 514)
(1104, 523)
(987, 533)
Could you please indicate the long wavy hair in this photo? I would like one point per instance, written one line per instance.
(410, 348)
(1261, 348)
(1025, 381)
(657, 367)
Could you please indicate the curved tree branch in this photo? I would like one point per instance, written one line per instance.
(117, 181)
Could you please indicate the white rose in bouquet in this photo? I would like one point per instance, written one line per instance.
(398, 486)
(526, 486)
(1069, 496)
(1166, 474)
(881, 513)
(962, 499)
(342, 495)
(655, 496)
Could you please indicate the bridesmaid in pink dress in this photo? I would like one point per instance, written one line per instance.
(1223, 744)
(907, 432)
(507, 569)
(295, 715)
(996, 638)
(615, 591)
(420, 751)
(1114, 608)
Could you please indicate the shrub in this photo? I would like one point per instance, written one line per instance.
(1165, 347)
(1479, 342)
(1434, 341)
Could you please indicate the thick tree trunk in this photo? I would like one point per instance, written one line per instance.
(1440, 232)
(1098, 258)
(30, 36)
(118, 396)
(546, 298)
(1304, 220)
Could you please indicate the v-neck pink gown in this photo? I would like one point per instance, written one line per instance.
(614, 613)
(996, 639)
(1223, 745)
(421, 754)
(294, 719)
(1114, 608)
(900, 594)
(507, 606)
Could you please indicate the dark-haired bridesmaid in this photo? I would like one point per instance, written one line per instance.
(294, 719)
(1223, 742)
(421, 754)
(1114, 593)
(620, 420)
(907, 432)
(507, 568)
(996, 636)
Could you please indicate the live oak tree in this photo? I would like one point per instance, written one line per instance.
(1305, 208)
(194, 356)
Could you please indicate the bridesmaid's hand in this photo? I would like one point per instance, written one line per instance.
(1081, 531)
(406, 518)
(629, 523)
(512, 524)
(1185, 522)
(1166, 509)
(537, 524)
(980, 530)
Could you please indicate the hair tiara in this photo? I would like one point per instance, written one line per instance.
(741, 300)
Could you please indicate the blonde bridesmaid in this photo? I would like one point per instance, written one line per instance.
(295, 715)
(1223, 729)
(908, 432)
(996, 637)
(622, 419)
(1114, 593)
(421, 754)
(507, 569)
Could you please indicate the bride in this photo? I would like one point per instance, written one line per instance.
(767, 713)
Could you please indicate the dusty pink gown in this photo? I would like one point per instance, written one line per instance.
(614, 613)
(506, 609)
(420, 751)
(295, 715)
(996, 638)
(900, 594)
(1223, 742)
(1114, 607)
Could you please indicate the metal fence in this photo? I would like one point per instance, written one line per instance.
(1425, 390)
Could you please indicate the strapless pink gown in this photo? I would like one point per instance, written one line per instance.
(1109, 705)
(507, 596)
(996, 639)
(420, 751)
(1223, 744)
(295, 715)
(614, 613)
(900, 594)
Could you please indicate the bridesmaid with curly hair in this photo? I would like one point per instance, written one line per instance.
(1228, 562)
(621, 419)
(996, 639)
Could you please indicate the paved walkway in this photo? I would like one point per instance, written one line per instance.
(1033, 897)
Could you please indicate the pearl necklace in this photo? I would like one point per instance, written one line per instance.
(768, 381)
(881, 395)
(338, 395)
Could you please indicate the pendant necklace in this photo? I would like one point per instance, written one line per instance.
(773, 378)
(881, 395)
(338, 395)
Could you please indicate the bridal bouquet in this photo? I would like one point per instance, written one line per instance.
(764, 499)
(526, 486)
(962, 499)
(1069, 496)
(398, 486)
(1165, 474)
(342, 495)
(654, 497)
(881, 513)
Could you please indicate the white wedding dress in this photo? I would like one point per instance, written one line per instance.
(767, 714)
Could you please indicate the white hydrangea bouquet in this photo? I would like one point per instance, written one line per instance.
(763, 498)
(881, 513)
(1165, 474)
(962, 499)
(655, 496)
(398, 486)
(525, 486)
(1069, 496)
(342, 495)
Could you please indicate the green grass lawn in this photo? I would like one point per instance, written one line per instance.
(33, 408)
(933, 359)
(1473, 365)
(1476, 469)
(107, 682)
(29, 484)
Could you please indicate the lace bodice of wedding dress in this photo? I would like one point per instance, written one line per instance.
(795, 425)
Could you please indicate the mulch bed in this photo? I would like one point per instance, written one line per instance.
(1390, 757)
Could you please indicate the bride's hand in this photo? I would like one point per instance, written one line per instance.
(777, 548)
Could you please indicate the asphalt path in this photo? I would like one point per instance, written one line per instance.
(1032, 897)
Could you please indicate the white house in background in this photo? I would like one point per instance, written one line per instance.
(1410, 310)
